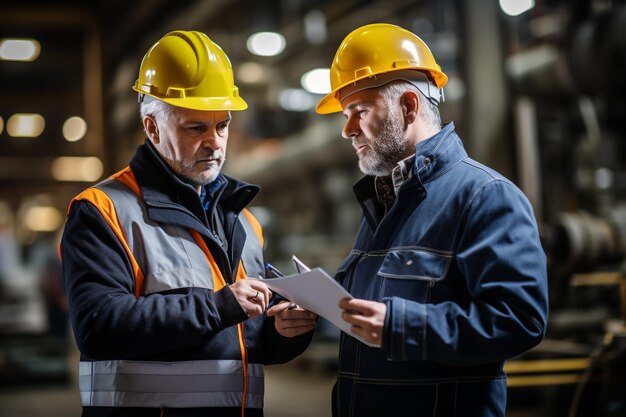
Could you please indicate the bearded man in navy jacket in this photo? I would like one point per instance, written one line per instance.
(447, 272)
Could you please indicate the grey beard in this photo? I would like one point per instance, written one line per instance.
(186, 172)
(390, 148)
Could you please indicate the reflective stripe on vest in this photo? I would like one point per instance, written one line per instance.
(216, 383)
(175, 257)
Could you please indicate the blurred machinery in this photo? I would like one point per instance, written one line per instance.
(33, 316)
(565, 67)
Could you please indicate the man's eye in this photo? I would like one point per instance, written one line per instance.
(221, 127)
(195, 129)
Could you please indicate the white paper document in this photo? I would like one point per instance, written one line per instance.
(316, 291)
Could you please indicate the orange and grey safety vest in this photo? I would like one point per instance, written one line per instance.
(166, 257)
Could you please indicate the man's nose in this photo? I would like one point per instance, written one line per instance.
(350, 129)
(210, 139)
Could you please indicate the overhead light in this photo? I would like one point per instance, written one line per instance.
(76, 168)
(19, 49)
(316, 81)
(516, 7)
(250, 72)
(296, 99)
(266, 43)
(315, 27)
(43, 219)
(26, 125)
(74, 129)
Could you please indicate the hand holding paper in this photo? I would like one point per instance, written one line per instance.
(366, 317)
(316, 291)
(291, 322)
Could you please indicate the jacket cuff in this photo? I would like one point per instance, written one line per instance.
(405, 330)
(228, 308)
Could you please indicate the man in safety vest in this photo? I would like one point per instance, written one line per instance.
(156, 258)
(447, 272)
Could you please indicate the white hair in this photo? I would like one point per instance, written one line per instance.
(159, 110)
(391, 93)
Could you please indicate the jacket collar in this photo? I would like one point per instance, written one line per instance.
(161, 186)
(438, 154)
(433, 157)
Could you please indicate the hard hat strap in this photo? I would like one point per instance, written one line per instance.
(417, 78)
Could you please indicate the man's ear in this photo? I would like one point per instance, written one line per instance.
(151, 128)
(410, 103)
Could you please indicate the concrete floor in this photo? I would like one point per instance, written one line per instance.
(301, 388)
(292, 391)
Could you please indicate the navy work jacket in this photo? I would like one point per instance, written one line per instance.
(458, 262)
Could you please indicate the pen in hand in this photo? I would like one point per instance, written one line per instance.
(276, 273)
(273, 270)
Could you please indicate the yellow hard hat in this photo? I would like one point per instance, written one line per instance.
(375, 49)
(187, 69)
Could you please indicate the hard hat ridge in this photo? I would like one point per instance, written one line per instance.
(187, 69)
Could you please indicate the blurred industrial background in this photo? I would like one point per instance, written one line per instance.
(537, 90)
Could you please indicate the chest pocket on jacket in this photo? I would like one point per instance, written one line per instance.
(346, 264)
(409, 273)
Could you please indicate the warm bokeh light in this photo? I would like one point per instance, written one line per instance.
(266, 43)
(1, 124)
(19, 49)
(250, 72)
(75, 168)
(27, 125)
(43, 219)
(74, 129)
(316, 81)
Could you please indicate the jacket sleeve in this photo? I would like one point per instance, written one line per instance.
(108, 321)
(502, 266)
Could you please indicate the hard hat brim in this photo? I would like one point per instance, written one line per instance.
(209, 104)
(234, 103)
(329, 104)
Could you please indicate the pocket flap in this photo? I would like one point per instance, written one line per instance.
(347, 263)
(415, 264)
